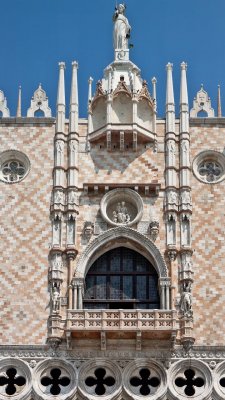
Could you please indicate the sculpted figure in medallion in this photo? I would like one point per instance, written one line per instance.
(120, 215)
(121, 28)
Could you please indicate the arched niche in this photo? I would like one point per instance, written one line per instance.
(99, 113)
(117, 237)
(122, 109)
(145, 114)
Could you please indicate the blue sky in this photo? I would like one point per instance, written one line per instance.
(36, 35)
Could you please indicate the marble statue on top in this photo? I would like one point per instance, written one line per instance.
(122, 28)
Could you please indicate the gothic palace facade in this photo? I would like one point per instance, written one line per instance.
(112, 263)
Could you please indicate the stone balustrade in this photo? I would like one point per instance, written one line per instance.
(125, 320)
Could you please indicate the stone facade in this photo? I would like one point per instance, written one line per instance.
(112, 253)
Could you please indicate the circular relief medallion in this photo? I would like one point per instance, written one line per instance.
(209, 166)
(14, 166)
(121, 207)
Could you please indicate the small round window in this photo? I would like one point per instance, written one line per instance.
(14, 166)
(210, 170)
(209, 166)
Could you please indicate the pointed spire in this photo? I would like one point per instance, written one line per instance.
(183, 85)
(154, 81)
(169, 86)
(90, 80)
(184, 110)
(170, 106)
(74, 99)
(18, 111)
(219, 110)
(61, 106)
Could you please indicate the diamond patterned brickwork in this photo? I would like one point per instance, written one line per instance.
(25, 237)
(101, 166)
(208, 234)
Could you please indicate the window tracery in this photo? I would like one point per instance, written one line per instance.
(209, 166)
(14, 166)
(121, 278)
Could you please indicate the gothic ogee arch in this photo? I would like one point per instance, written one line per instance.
(116, 237)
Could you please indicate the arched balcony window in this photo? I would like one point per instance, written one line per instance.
(121, 278)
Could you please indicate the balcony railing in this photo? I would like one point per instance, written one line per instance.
(125, 320)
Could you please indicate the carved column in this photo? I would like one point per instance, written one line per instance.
(72, 205)
(165, 293)
(78, 293)
(185, 209)
(171, 196)
(57, 212)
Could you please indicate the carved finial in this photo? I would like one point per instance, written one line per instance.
(202, 102)
(39, 101)
(219, 110)
(18, 111)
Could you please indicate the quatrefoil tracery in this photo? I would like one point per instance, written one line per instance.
(13, 171)
(210, 170)
(11, 381)
(56, 381)
(145, 382)
(190, 382)
(101, 381)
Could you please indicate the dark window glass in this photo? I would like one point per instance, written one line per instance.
(121, 278)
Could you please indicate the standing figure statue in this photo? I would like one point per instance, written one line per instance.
(55, 300)
(186, 300)
(121, 28)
